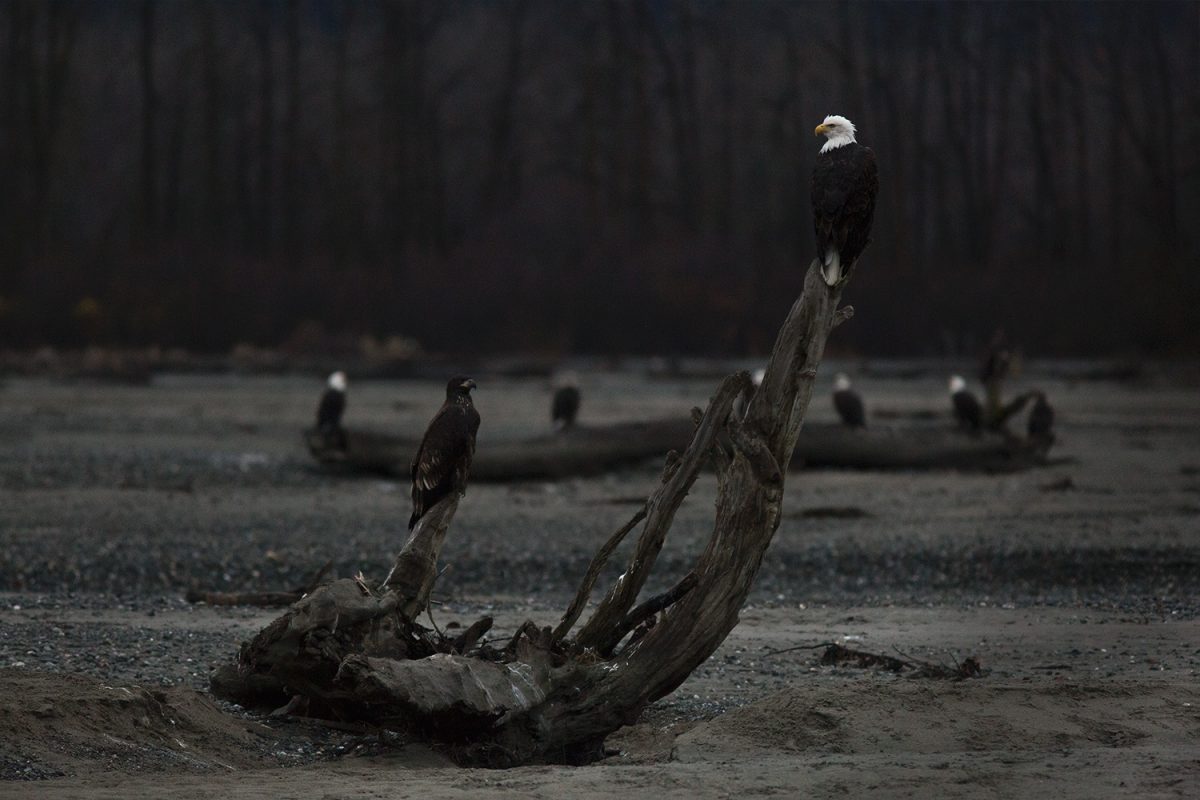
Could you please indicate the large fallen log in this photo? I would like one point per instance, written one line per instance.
(580, 450)
(598, 449)
(352, 652)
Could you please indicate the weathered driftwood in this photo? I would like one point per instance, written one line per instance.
(356, 653)
(266, 599)
(915, 448)
(587, 451)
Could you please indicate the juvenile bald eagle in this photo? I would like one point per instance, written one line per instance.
(331, 407)
(967, 409)
(443, 460)
(565, 406)
(844, 184)
(848, 403)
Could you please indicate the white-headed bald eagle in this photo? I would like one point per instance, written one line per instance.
(844, 184)
(443, 460)
(333, 403)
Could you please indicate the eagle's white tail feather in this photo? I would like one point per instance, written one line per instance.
(831, 269)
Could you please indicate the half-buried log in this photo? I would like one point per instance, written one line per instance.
(579, 450)
(597, 449)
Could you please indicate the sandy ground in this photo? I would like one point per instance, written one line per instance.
(1081, 602)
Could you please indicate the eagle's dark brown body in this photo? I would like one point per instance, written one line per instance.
(329, 412)
(850, 408)
(1041, 419)
(967, 410)
(844, 184)
(565, 407)
(443, 460)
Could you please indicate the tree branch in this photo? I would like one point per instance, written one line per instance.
(412, 576)
(661, 512)
(648, 609)
(571, 616)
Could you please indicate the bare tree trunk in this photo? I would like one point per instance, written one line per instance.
(500, 183)
(47, 85)
(149, 118)
(681, 136)
(263, 38)
(212, 117)
(342, 189)
(291, 155)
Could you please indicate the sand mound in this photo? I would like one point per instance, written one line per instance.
(925, 717)
(56, 724)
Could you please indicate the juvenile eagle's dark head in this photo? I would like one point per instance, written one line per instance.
(459, 386)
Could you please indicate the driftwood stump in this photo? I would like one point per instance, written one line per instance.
(354, 652)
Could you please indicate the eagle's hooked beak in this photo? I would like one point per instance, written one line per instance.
(469, 384)
(820, 129)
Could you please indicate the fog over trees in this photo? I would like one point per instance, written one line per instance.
(594, 177)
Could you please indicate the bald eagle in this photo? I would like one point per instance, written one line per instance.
(844, 184)
(331, 407)
(967, 409)
(565, 406)
(443, 460)
(1040, 424)
(848, 403)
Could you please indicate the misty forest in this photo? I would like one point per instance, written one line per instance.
(622, 177)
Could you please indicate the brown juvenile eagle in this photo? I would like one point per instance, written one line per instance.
(443, 460)
(844, 184)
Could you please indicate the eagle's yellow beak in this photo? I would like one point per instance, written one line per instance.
(820, 129)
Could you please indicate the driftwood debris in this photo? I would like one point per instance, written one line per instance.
(554, 694)
(265, 599)
(836, 655)
(592, 450)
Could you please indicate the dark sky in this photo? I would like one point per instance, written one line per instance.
(593, 177)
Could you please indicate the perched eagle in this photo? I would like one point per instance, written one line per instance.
(1040, 424)
(844, 184)
(967, 409)
(333, 403)
(565, 406)
(444, 458)
(848, 403)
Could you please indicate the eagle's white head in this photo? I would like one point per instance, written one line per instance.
(337, 381)
(841, 382)
(957, 384)
(837, 130)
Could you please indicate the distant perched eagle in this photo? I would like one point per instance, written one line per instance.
(565, 406)
(967, 409)
(333, 403)
(1040, 424)
(443, 460)
(844, 184)
(848, 403)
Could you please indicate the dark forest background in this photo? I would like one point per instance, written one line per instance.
(590, 177)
